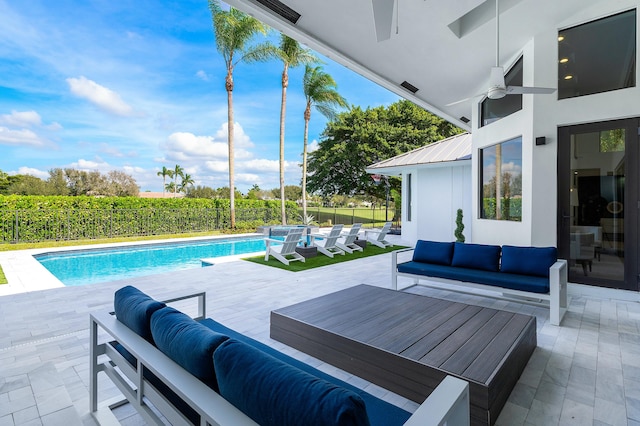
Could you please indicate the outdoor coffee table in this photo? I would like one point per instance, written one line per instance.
(408, 343)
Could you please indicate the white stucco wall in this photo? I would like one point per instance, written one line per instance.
(542, 115)
(438, 192)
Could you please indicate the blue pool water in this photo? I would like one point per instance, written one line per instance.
(80, 267)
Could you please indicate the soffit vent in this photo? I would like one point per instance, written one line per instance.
(464, 119)
(281, 9)
(410, 87)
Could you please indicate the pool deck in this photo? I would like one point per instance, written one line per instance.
(585, 372)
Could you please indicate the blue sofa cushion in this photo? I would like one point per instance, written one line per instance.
(381, 413)
(438, 253)
(187, 342)
(274, 393)
(134, 308)
(528, 260)
(529, 283)
(476, 256)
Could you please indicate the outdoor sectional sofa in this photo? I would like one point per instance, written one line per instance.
(197, 371)
(531, 274)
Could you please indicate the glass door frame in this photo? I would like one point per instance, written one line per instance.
(631, 196)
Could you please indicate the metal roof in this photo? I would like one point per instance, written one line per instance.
(454, 148)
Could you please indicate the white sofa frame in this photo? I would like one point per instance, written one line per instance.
(555, 300)
(447, 404)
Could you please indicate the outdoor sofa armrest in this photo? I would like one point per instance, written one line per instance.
(448, 404)
(558, 291)
(394, 266)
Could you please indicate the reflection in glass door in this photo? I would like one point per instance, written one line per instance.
(593, 198)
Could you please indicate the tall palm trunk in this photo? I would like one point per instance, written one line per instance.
(283, 108)
(307, 117)
(232, 195)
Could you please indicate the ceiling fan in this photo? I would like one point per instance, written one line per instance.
(497, 87)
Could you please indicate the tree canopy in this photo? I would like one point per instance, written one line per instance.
(358, 138)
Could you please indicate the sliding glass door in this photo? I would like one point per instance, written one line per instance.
(598, 202)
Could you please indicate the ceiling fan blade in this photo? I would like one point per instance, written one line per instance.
(383, 18)
(519, 90)
(496, 79)
(466, 99)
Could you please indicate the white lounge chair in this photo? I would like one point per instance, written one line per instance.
(327, 245)
(285, 251)
(347, 240)
(377, 236)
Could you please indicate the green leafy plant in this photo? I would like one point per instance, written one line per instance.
(459, 227)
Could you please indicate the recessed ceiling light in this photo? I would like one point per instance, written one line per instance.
(560, 37)
(564, 60)
(568, 77)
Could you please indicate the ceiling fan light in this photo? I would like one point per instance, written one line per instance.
(496, 93)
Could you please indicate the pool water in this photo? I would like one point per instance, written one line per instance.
(81, 267)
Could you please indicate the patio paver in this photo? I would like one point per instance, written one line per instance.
(585, 372)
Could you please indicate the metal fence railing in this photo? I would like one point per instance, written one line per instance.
(36, 225)
(348, 216)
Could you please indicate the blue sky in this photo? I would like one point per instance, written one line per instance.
(135, 86)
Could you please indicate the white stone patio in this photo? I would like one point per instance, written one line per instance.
(586, 372)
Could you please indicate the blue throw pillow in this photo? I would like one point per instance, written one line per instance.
(187, 342)
(528, 260)
(434, 252)
(134, 309)
(274, 393)
(476, 256)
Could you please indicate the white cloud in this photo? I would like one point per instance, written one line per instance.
(33, 172)
(21, 119)
(240, 138)
(217, 166)
(20, 137)
(89, 165)
(185, 146)
(247, 178)
(202, 75)
(313, 146)
(104, 98)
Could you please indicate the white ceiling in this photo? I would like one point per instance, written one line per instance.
(425, 52)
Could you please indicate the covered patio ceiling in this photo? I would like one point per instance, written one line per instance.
(444, 49)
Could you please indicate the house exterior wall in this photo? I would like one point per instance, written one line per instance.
(438, 192)
(542, 115)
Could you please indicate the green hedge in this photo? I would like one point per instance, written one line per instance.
(43, 218)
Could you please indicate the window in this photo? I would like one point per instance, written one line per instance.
(495, 109)
(408, 197)
(598, 56)
(501, 174)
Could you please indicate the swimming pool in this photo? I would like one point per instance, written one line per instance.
(81, 267)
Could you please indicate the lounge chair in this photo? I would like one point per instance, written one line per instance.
(327, 245)
(347, 240)
(285, 251)
(377, 236)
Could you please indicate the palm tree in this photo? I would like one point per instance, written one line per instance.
(319, 90)
(292, 55)
(185, 182)
(164, 173)
(234, 31)
(170, 187)
(177, 171)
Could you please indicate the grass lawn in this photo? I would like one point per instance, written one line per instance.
(322, 260)
(3, 279)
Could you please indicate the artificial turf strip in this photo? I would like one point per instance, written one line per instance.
(322, 260)
(3, 279)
